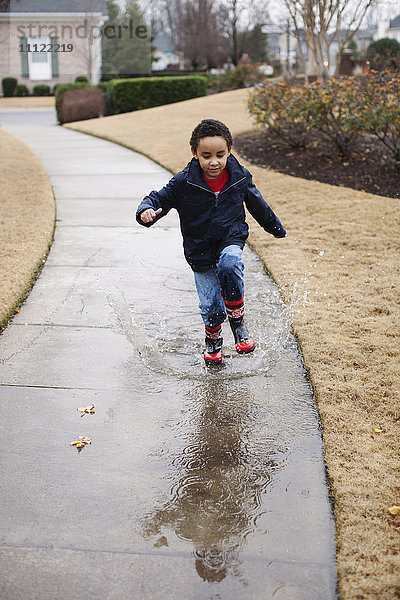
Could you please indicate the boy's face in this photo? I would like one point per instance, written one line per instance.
(212, 153)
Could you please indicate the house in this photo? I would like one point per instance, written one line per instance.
(283, 47)
(273, 33)
(364, 37)
(165, 55)
(389, 29)
(282, 44)
(384, 29)
(48, 42)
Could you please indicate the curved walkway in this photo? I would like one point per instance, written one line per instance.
(197, 484)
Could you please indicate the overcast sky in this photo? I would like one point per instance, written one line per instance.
(384, 9)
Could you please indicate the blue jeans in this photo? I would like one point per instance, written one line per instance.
(225, 280)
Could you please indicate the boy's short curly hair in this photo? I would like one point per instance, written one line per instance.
(210, 128)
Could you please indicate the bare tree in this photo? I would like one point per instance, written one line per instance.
(196, 31)
(324, 21)
(89, 48)
(208, 32)
(239, 16)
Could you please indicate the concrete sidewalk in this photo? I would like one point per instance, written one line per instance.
(198, 484)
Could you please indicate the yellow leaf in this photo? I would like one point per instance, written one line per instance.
(394, 510)
(81, 442)
(86, 409)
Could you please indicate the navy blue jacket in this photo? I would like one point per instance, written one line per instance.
(211, 221)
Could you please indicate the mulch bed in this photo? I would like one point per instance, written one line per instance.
(369, 167)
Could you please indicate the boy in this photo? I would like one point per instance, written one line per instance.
(209, 195)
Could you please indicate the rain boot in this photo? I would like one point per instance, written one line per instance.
(213, 350)
(244, 343)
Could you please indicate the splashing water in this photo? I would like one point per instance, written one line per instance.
(172, 343)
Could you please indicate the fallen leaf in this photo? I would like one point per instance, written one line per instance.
(394, 510)
(81, 443)
(89, 410)
(380, 429)
(162, 541)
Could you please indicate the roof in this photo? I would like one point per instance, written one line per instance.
(395, 23)
(49, 6)
(366, 34)
(163, 43)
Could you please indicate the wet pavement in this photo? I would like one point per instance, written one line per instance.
(199, 483)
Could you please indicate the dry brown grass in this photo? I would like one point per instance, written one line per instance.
(342, 251)
(27, 102)
(26, 219)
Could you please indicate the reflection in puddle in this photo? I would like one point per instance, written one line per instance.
(220, 468)
(241, 446)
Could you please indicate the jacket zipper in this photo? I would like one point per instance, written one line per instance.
(216, 194)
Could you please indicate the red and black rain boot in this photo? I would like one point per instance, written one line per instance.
(213, 350)
(244, 343)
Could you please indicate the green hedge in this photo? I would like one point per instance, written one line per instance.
(21, 90)
(145, 92)
(179, 74)
(9, 85)
(59, 88)
(41, 90)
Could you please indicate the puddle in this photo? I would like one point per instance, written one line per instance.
(219, 469)
(242, 447)
(172, 344)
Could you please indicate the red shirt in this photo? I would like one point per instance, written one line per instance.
(217, 183)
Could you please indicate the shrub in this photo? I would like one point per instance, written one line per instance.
(384, 54)
(144, 92)
(41, 90)
(79, 104)
(281, 108)
(339, 110)
(107, 91)
(81, 79)
(21, 90)
(179, 74)
(245, 74)
(60, 88)
(291, 112)
(9, 85)
(380, 109)
(333, 109)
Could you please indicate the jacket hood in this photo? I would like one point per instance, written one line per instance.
(194, 173)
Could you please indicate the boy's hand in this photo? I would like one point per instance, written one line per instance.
(148, 216)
